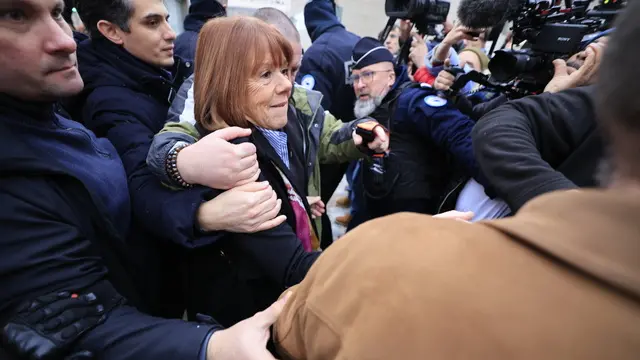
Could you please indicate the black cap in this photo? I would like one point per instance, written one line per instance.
(369, 51)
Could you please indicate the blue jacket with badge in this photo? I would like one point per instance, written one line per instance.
(430, 145)
(422, 112)
(325, 65)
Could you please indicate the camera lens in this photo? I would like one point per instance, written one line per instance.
(506, 65)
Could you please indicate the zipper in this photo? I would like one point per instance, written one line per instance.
(313, 116)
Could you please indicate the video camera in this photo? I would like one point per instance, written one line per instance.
(424, 14)
(551, 32)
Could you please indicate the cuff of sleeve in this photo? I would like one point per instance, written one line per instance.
(424, 76)
(205, 344)
(435, 67)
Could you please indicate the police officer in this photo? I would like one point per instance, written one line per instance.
(430, 138)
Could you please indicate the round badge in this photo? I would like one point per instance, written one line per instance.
(435, 101)
(308, 82)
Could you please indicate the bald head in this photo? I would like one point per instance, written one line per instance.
(285, 26)
(281, 21)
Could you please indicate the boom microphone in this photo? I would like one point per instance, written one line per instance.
(483, 14)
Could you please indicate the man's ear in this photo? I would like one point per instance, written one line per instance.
(110, 31)
(392, 78)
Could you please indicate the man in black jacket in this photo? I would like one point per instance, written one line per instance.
(543, 143)
(131, 76)
(65, 209)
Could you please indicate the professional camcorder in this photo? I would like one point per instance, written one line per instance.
(424, 14)
(548, 32)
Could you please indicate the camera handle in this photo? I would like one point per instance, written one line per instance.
(387, 29)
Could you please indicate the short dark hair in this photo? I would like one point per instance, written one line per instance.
(280, 20)
(117, 12)
(617, 90)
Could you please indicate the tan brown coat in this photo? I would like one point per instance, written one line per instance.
(561, 280)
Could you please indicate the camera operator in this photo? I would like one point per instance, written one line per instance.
(430, 139)
(546, 142)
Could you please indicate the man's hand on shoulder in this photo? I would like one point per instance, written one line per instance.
(247, 208)
(216, 163)
(247, 340)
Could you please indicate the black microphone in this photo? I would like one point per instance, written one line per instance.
(482, 14)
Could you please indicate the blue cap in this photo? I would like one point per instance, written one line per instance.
(369, 51)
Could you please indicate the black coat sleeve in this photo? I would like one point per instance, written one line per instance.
(482, 109)
(520, 144)
(167, 213)
(42, 250)
(278, 252)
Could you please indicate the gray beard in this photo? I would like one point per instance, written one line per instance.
(364, 108)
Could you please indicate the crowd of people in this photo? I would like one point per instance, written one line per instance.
(164, 196)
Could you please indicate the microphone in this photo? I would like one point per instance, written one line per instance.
(482, 14)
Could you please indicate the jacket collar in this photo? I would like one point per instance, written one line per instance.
(103, 63)
(594, 231)
(38, 112)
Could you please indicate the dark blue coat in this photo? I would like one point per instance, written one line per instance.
(325, 64)
(48, 235)
(126, 101)
(199, 12)
(420, 111)
(430, 137)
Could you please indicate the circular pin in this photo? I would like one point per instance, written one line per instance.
(308, 82)
(435, 101)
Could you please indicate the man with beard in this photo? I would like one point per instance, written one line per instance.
(430, 138)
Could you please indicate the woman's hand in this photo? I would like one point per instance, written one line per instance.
(317, 206)
(248, 208)
(216, 163)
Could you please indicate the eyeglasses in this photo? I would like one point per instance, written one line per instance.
(366, 76)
